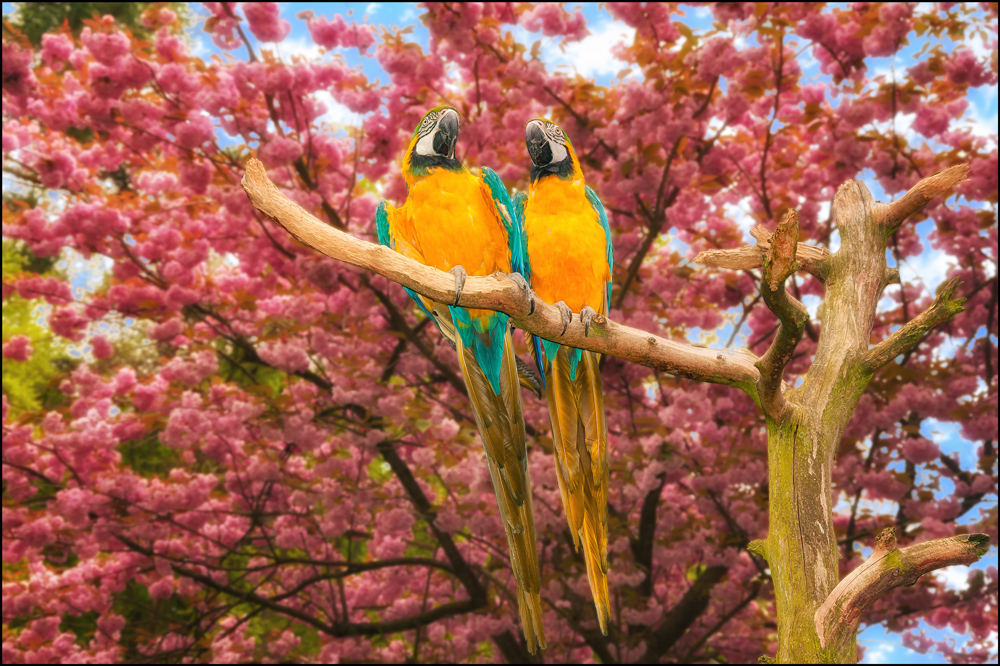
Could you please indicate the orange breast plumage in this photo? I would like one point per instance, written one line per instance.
(567, 246)
(451, 224)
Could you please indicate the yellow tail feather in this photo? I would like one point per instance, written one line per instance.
(501, 427)
(580, 442)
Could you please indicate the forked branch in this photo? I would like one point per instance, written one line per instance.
(499, 292)
(814, 259)
(887, 568)
(941, 310)
(779, 264)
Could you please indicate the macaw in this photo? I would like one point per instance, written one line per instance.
(463, 224)
(569, 265)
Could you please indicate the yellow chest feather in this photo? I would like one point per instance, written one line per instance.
(448, 220)
(567, 245)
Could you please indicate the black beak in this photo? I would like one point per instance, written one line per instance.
(538, 145)
(446, 135)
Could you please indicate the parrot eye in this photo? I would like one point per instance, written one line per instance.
(554, 133)
(427, 124)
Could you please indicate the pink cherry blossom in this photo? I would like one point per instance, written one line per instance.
(262, 17)
(18, 348)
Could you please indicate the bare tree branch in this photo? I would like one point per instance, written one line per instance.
(891, 216)
(814, 259)
(499, 292)
(512, 647)
(339, 629)
(779, 264)
(941, 310)
(682, 615)
(887, 568)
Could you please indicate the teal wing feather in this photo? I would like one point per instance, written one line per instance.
(386, 238)
(520, 200)
(488, 333)
(513, 224)
(382, 225)
(485, 337)
(603, 219)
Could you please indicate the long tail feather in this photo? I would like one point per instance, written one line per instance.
(580, 441)
(526, 374)
(501, 427)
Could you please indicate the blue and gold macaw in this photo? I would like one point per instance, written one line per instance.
(569, 262)
(459, 223)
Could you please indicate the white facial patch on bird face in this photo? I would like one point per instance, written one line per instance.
(558, 152)
(425, 146)
(557, 142)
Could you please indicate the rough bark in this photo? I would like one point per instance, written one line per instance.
(804, 430)
(887, 568)
(817, 620)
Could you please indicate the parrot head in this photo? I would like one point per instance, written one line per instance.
(433, 142)
(551, 151)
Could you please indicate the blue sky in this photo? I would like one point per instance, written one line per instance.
(591, 58)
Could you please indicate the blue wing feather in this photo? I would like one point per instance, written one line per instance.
(520, 200)
(513, 224)
(603, 218)
(385, 238)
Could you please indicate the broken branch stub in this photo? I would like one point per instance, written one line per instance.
(814, 259)
(779, 264)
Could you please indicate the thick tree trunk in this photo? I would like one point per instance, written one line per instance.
(804, 431)
(801, 547)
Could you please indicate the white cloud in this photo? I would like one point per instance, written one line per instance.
(880, 654)
(591, 56)
(980, 47)
(407, 16)
(715, 124)
(740, 214)
(904, 126)
(929, 268)
(299, 46)
(978, 125)
(199, 49)
(822, 215)
(954, 578)
(807, 61)
(336, 113)
(372, 8)
(812, 303)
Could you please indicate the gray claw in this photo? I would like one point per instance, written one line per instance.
(526, 288)
(565, 314)
(460, 275)
(587, 315)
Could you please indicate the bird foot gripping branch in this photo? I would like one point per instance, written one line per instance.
(526, 291)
